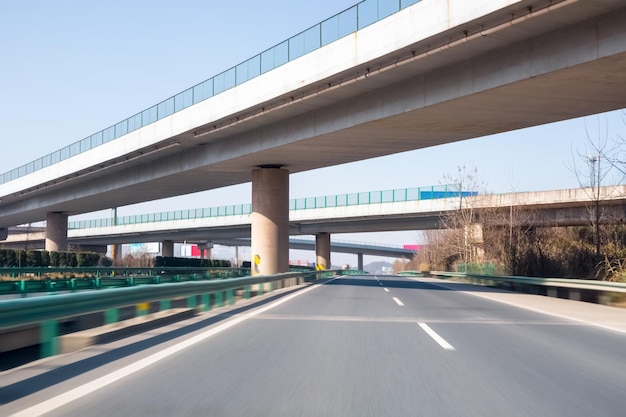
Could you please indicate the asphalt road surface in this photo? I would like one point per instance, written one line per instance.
(355, 346)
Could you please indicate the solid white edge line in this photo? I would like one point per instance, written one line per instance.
(397, 300)
(436, 337)
(79, 392)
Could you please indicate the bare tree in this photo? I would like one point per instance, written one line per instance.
(435, 254)
(463, 236)
(511, 232)
(596, 166)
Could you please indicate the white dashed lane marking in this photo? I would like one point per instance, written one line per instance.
(436, 337)
(397, 300)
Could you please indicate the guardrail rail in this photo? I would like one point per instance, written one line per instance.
(599, 292)
(48, 311)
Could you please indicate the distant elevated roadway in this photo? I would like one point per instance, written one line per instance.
(374, 211)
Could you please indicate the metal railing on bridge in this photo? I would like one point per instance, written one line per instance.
(338, 200)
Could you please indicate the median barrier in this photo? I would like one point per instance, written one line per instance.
(47, 313)
(27, 281)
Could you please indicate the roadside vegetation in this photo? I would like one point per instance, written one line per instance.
(512, 241)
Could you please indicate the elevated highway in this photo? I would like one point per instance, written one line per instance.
(419, 75)
(374, 211)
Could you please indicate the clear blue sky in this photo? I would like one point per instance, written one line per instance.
(71, 68)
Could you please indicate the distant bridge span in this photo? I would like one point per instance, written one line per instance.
(569, 207)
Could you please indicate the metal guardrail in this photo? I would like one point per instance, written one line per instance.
(46, 312)
(51, 286)
(351, 20)
(25, 281)
(600, 292)
(112, 271)
(581, 284)
(25, 311)
(431, 192)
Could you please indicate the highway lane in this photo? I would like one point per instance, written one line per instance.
(372, 346)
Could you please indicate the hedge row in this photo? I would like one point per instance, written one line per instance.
(43, 258)
(175, 262)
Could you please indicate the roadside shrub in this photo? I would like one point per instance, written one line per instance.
(33, 258)
(86, 259)
(105, 261)
(45, 258)
(55, 259)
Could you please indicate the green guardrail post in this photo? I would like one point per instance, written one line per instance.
(206, 302)
(165, 305)
(111, 315)
(23, 290)
(246, 292)
(260, 289)
(230, 294)
(192, 301)
(219, 299)
(49, 338)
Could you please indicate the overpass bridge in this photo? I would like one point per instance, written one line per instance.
(371, 81)
(418, 208)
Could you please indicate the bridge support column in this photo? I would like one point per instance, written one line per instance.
(56, 232)
(167, 248)
(359, 261)
(205, 250)
(116, 254)
(4, 233)
(322, 251)
(270, 220)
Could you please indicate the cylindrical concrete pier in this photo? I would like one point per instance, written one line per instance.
(167, 248)
(56, 232)
(270, 221)
(322, 251)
